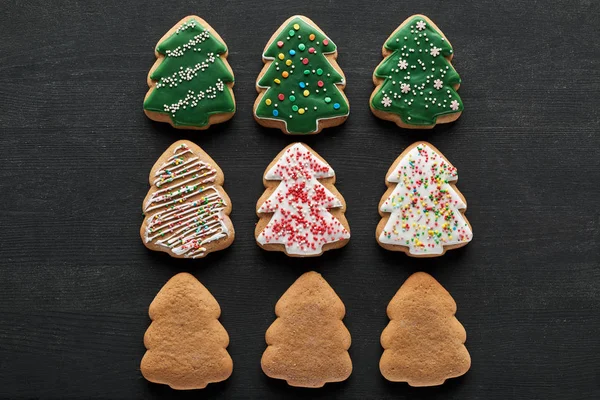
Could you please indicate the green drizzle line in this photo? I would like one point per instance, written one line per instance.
(309, 91)
(192, 78)
(418, 60)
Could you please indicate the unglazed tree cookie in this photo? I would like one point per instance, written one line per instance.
(424, 342)
(301, 212)
(416, 83)
(186, 344)
(301, 86)
(308, 342)
(186, 211)
(191, 81)
(422, 211)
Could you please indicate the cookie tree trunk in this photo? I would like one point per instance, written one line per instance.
(301, 78)
(186, 344)
(308, 342)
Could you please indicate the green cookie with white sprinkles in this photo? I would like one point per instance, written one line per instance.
(191, 81)
(416, 84)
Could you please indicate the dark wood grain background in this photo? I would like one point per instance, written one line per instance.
(76, 150)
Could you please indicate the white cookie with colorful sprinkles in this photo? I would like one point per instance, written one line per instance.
(301, 212)
(422, 211)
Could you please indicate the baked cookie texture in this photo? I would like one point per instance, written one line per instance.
(191, 82)
(186, 211)
(301, 212)
(416, 84)
(424, 342)
(301, 86)
(308, 342)
(422, 210)
(186, 344)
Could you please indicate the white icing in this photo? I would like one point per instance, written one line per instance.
(300, 204)
(186, 212)
(425, 209)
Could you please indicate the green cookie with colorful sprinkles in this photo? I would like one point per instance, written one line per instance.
(301, 86)
(416, 83)
(191, 81)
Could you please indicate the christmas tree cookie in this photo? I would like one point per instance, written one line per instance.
(301, 212)
(422, 210)
(190, 82)
(186, 344)
(424, 342)
(301, 86)
(308, 342)
(186, 210)
(416, 83)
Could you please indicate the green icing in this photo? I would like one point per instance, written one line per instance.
(298, 109)
(418, 60)
(191, 79)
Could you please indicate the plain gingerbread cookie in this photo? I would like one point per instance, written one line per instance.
(308, 342)
(424, 342)
(186, 344)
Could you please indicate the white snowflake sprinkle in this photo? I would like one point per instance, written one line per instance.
(405, 87)
(402, 64)
(435, 51)
(386, 101)
(454, 105)
(438, 84)
(421, 25)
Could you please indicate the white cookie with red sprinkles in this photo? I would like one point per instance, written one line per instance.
(301, 212)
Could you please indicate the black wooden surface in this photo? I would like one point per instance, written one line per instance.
(76, 150)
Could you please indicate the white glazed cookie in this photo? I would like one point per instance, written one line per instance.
(422, 210)
(301, 212)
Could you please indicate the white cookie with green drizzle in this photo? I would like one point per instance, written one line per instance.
(186, 210)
